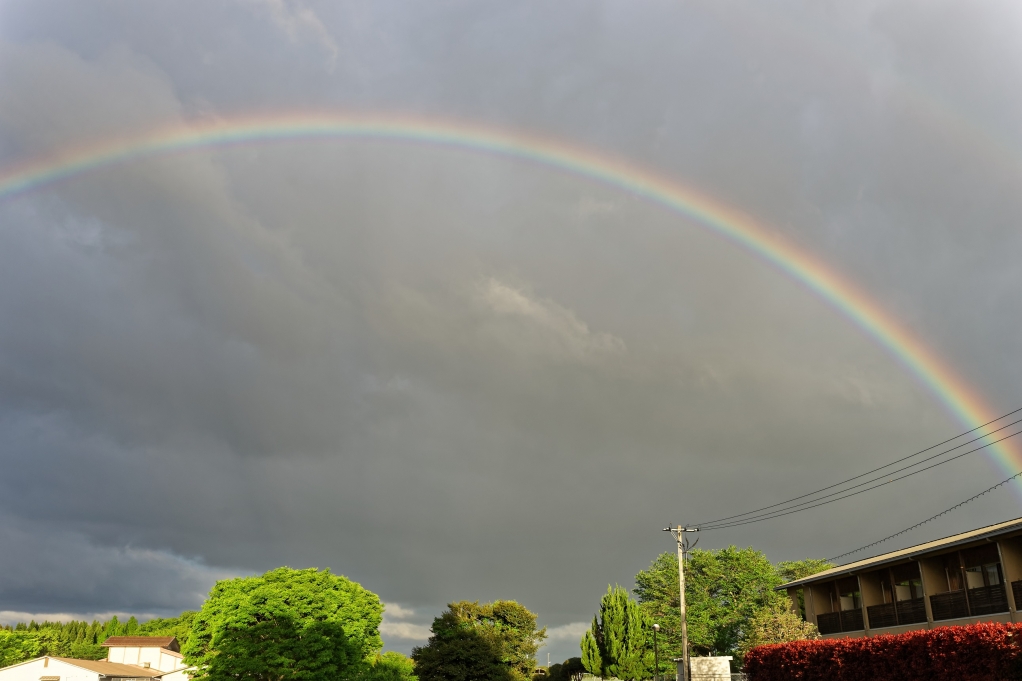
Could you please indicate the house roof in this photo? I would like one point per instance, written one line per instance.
(142, 641)
(113, 668)
(910, 552)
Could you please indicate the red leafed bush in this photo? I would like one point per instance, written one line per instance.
(979, 652)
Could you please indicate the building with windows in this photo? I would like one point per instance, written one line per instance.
(970, 577)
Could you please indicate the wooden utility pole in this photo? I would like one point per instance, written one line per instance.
(679, 536)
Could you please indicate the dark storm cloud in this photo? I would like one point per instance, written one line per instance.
(455, 376)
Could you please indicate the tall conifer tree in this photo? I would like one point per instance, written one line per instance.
(618, 644)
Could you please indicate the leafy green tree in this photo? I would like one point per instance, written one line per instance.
(470, 641)
(790, 570)
(724, 589)
(391, 666)
(179, 627)
(572, 668)
(302, 625)
(17, 646)
(776, 623)
(564, 671)
(618, 644)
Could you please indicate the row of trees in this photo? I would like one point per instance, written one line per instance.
(79, 639)
(731, 607)
(307, 625)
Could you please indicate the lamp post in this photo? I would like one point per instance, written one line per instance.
(656, 655)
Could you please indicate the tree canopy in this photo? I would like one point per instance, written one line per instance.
(564, 671)
(776, 623)
(305, 625)
(493, 641)
(79, 639)
(618, 645)
(724, 589)
(390, 666)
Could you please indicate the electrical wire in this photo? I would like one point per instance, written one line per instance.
(875, 470)
(919, 524)
(740, 519)
(783, 512)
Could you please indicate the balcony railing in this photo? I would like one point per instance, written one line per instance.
(986, 600)
(1016, 590)
(881, 616)
(950, 605)
(912, 611)
(837, 622)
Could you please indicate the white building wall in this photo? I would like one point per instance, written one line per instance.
(169, 662)
(158, 658)
(150, 655)
(34, 669)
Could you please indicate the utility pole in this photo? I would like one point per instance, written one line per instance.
(679, 536)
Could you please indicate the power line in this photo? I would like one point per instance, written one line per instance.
(780, 511)
(875, 470)
(783, 512)
(945, 512)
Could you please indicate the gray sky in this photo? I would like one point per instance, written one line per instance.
(450, 375)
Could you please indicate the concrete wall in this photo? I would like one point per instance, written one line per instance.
(710, 668)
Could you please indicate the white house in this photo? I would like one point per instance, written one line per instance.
(150, 652)
(67, 669)
(129, 658)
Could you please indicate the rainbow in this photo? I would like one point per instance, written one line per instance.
(955, 394)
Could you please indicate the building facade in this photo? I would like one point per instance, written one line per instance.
(149, 652)
(966, 578)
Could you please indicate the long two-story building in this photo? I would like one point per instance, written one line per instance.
(970, 577)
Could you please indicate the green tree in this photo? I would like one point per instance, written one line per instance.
(391, 666)
(618, 644)
(302, 625)
(564, 671)
(470, 641)
(776, 623)
(724, 589)
(790, 570)
(17, 646)
(179, 627)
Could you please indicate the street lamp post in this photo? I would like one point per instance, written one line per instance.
(656, 655)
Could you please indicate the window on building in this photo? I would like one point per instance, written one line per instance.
(907, 584)
(848, 594)
(982, 566)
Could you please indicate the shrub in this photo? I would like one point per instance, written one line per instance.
(979, 652)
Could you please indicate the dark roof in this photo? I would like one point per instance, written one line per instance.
(910, 552)
(168, 642)
(114, 669)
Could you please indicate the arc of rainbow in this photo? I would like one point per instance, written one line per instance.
(955, 394)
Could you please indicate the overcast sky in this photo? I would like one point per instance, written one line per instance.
(451, 375)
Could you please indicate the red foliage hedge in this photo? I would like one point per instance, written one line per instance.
(979, 652)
